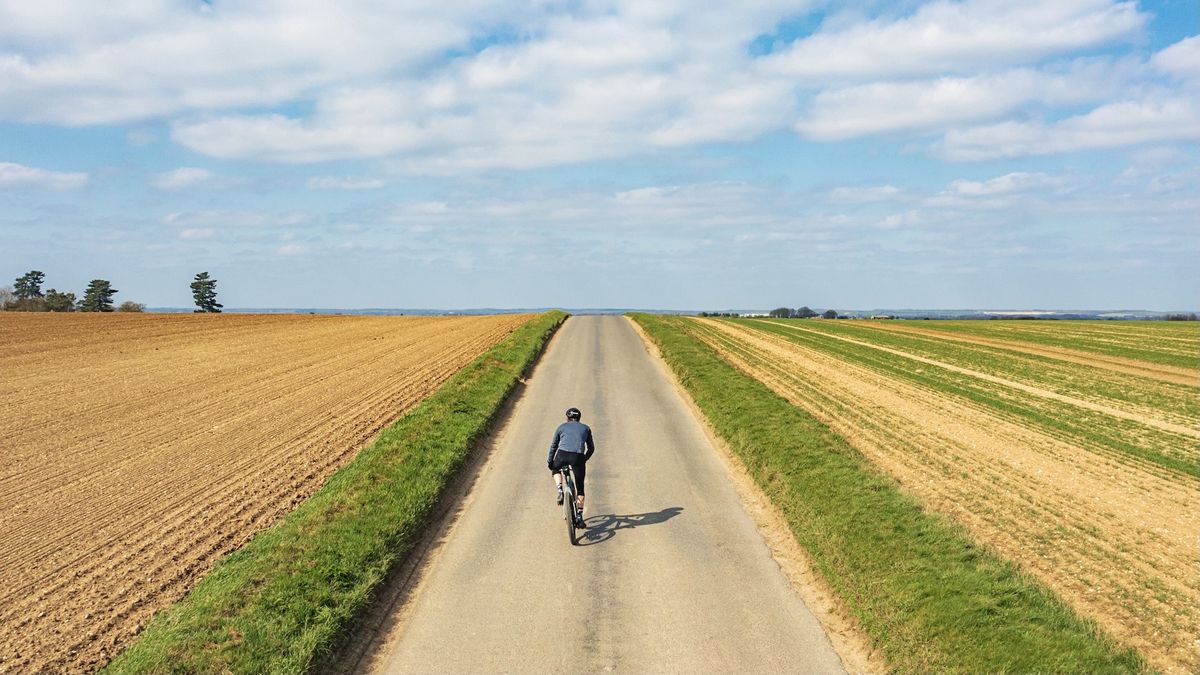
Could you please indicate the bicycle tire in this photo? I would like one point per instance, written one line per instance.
(569, 507)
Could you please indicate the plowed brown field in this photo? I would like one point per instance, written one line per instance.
(138, 449)
(1115, 537)
(1156, 371)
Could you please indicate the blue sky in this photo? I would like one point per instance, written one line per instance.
(590, 153)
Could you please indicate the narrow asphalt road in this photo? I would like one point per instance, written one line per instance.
(671, 575)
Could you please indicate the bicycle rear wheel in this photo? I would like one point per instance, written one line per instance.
(569, 507)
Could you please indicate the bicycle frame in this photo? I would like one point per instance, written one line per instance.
(568, 481)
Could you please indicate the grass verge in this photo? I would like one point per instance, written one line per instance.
(281, 603)
(929, 598)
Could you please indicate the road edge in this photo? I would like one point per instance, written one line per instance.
(850, 642)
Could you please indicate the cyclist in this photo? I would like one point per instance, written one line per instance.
(572, 444)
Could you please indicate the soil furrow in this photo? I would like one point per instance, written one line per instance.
(1148, 420)
(1165, 373)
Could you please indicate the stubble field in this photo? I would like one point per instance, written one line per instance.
(1071, 448)
(139, 449)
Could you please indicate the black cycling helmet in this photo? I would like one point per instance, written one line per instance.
(573, 413)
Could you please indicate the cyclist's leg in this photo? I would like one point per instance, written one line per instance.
(556, 464)
(580, 469)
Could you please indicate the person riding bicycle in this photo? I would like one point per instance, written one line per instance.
(572, 444)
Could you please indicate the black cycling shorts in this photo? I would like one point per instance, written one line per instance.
(578, 466)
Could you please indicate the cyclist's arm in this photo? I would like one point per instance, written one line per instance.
(553, 445)
(590, 444)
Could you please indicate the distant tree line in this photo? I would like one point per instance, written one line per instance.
(26, 295)
(782, 313)
(1181, 317)
(802, 313)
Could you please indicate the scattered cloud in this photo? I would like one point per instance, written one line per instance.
(146, 59)
(933, 105)
(1108, 126)
(19, 176)
(998, 193)
(197, 233)
(235, 219)
(468, 90)
(864, 195)
(140, 137)
(1181, 59)
(345, 183)
(958, 37)
(1006, 184)
(183, 177)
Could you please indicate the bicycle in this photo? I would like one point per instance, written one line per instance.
(574, 522)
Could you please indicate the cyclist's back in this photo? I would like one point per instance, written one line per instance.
(573, 436)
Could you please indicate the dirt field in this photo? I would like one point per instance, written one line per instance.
(139, 449)
(1115, 535)
(1146, 369)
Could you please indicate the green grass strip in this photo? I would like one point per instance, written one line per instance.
(927, 596)
(281, 603)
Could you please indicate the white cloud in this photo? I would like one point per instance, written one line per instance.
(596, 81)
(1174, 182)
(882, 107)
(1108, 126)
(906, 219)
(1158, 168)
(1181, 59)
(197, 233)
(344, 183)
(515, 106)
(958, 37)
(17, 175)
(1001, 192)
(864, 195)
(292, 250)
(557, 83)
(140, 137)
(183, 177)
(1006, 184)
(1158, 158)
(237, 219)
(150, 58)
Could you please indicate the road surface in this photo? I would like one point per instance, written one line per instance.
(672, 575)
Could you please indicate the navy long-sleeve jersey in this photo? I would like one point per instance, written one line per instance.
(572, 436)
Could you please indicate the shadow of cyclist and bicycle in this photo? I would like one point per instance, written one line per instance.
(604, 527)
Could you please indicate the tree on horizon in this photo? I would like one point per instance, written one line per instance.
(27, 293)
(204, 292)
(59, 302)
(29, 285)
(131, 306)
(98, 296)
